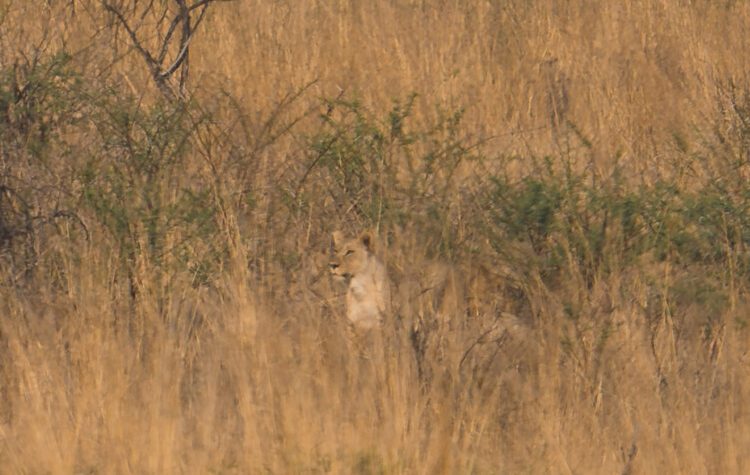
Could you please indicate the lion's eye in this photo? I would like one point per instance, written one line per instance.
(350, 251)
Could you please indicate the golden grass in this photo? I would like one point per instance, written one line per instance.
(627, 74)
(225, 383)
(258, 373)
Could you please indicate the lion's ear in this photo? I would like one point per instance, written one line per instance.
(337, 237)
(366, 239)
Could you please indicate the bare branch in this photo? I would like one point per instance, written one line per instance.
(146, 11)
(200, 17)
(185, 41)
(160, 74)
(168, 37)
(152, 64)
(186, 38)
(176, 64)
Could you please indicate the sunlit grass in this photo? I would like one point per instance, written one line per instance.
(580, 173)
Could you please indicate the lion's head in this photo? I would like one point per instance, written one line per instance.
(351, 257)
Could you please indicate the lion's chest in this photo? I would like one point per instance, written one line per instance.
(362, 302)
(359, 289)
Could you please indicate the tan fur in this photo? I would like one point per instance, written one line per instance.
(368, 295)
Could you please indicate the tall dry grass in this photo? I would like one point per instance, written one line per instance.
(581, 169)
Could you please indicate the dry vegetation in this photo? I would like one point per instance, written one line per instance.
(579, 168)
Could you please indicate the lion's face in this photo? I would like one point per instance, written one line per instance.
(350, 256)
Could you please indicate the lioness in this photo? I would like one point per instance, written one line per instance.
(368, 294)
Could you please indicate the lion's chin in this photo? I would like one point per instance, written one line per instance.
(342, 277)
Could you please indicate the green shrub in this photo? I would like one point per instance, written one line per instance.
(144, 188)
